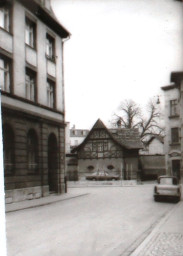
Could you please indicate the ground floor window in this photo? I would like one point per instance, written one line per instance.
(8, 150)
(32, 151)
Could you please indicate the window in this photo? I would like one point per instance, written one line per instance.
(5, 74)
(90, 168)
(174, 108)
(30, 84)
(175, 135)
(30, 33)
(50, 47)
(50, 94)
(8, 149)
(5, 19)
(100, 146)
(32, 151)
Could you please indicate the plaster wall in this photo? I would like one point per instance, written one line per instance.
(6, 41)
(35, 57)
(99, 164)
(156, 147)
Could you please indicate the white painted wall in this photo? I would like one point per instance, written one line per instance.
(36, 58)
(156, 147)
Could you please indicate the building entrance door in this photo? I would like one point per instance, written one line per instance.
(176, 168)
(52, 163)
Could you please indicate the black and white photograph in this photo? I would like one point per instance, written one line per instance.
(91, 127)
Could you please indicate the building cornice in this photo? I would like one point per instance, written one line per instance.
(45, 16)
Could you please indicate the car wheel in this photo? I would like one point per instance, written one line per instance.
(156, 199)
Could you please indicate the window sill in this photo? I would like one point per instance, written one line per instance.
(175, 116)
(33, 48)
(174, 144)
(7, 31)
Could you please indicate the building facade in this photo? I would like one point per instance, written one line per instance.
(152, 158)
(174, 125)
(77, 136)
(111, 150)
(32, 97)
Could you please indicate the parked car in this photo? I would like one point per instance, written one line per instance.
(168, 187)
(102, 175)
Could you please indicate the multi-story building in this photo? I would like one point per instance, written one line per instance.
(77, 136)
(174, 125)
(32, 96)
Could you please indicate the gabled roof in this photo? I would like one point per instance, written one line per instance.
(99, 124)
(126, 138)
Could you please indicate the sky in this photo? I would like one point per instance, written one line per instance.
(118, 49)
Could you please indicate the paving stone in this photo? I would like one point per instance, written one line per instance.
(164, 244)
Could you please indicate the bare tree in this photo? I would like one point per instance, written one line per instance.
(131, 116)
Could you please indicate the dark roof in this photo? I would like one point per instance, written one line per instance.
(169, 87)
(127, 138)
(99, 124)
(45, 16)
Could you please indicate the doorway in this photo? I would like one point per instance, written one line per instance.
(176, 168)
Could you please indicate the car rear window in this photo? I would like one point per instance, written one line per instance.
(166, 181)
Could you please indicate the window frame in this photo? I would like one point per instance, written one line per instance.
(7, 87)
(50, 47)
(174, 107)
(8, 149)
(175, 137)
(30, 33)
(31, 85)
(51, 94)
(32, 152)
(6, 19)
(100, 146)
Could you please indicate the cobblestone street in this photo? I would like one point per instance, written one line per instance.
(164, 244)
(104, 222)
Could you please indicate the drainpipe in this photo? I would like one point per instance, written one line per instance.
(63, 84)
(2, 193)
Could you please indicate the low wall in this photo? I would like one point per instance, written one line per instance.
(17, 195)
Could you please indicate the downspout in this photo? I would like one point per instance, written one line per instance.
(63, 90)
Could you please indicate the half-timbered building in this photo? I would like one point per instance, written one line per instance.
(113, 150)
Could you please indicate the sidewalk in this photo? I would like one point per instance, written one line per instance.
(166, 239)
(42, 201)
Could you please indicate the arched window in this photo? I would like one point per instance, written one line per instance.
(32, 151)
(8, 150)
